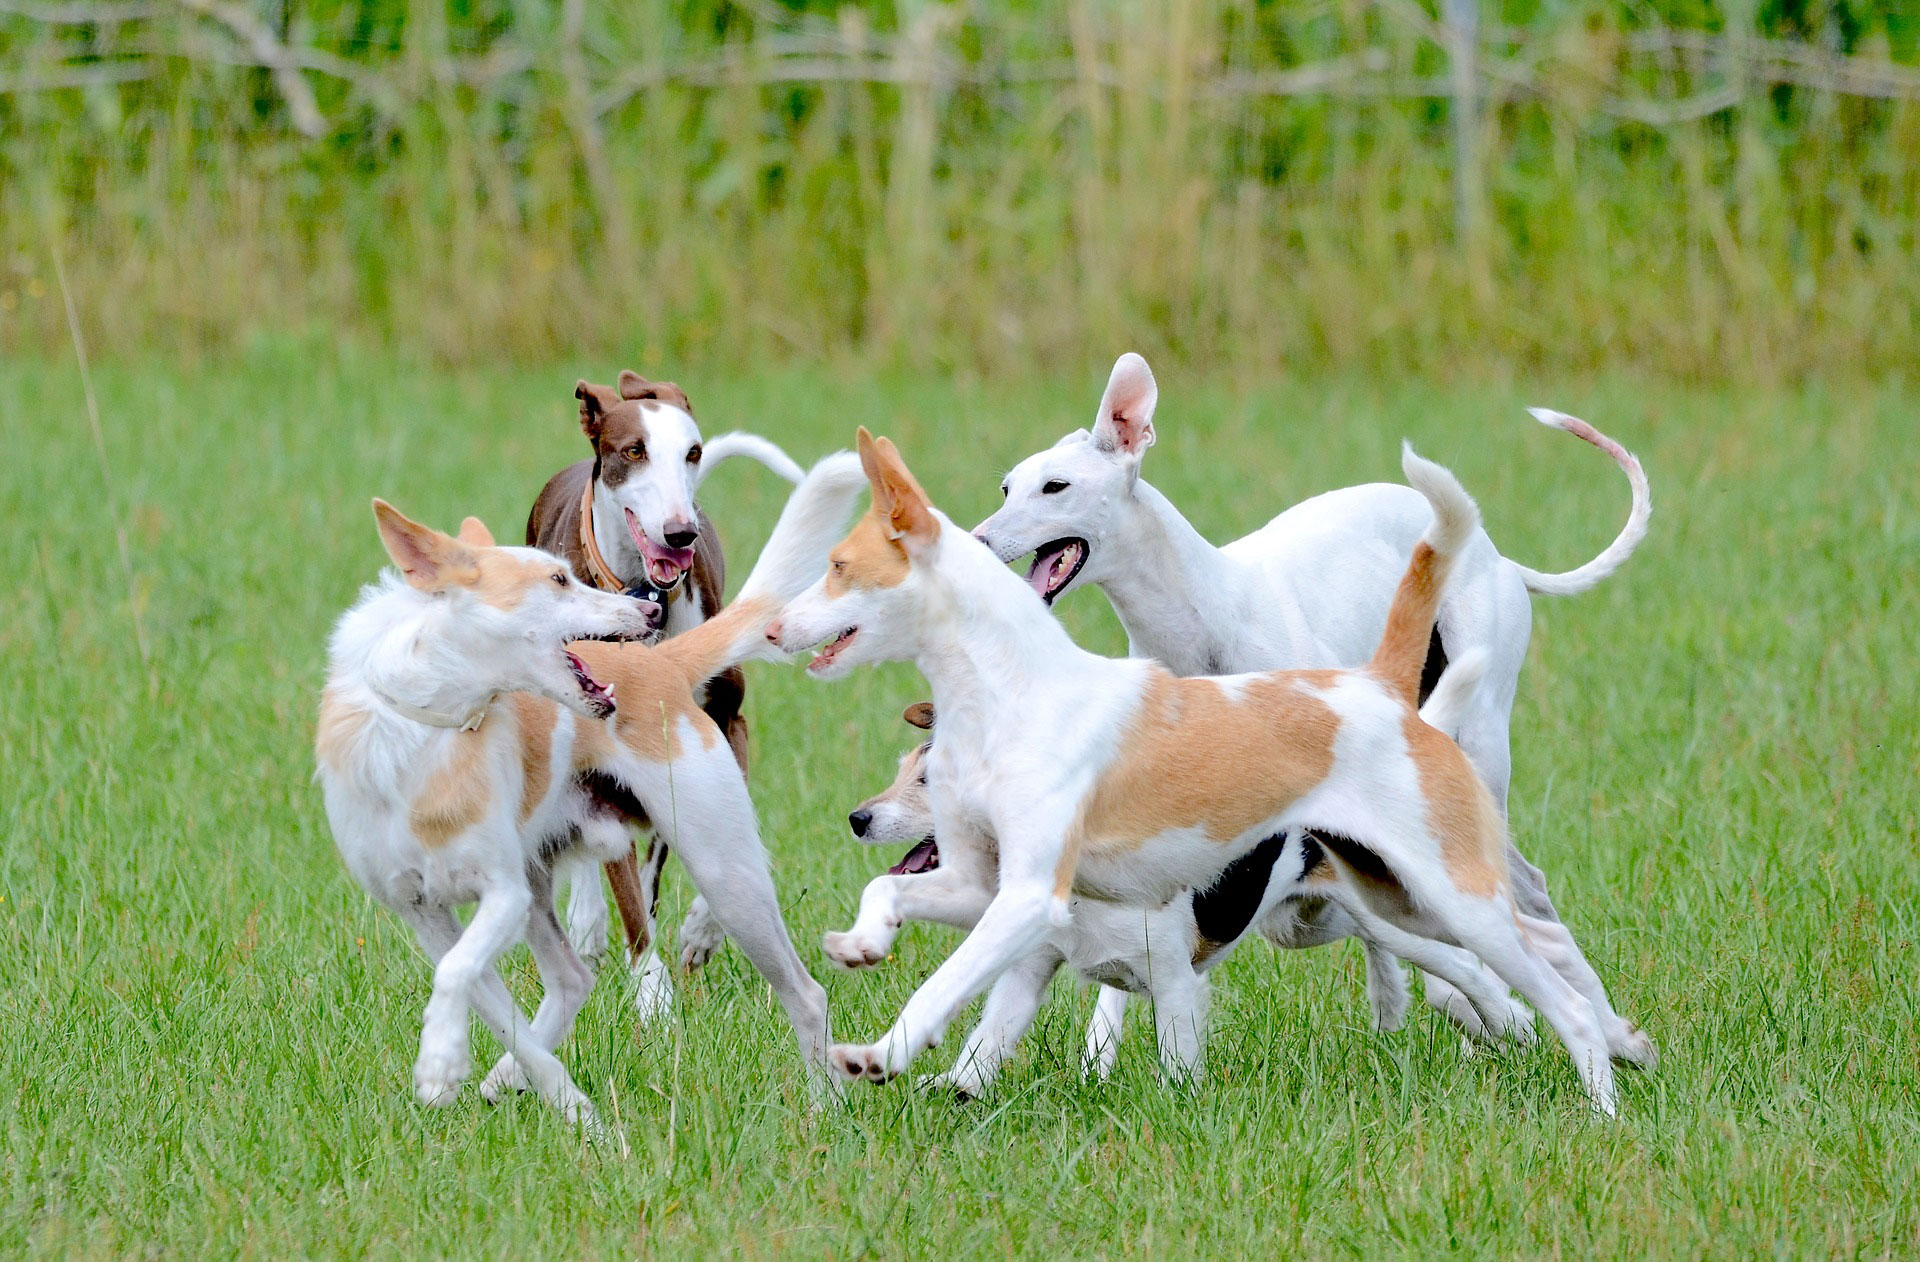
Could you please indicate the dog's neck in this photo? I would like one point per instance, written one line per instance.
(406, 649)
(1171, 578)
(610, 532)
(987, 643)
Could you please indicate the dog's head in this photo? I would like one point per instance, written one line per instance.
(646, 453)
(869, 604)
(903, 811)
(511, 612)
(1062, 503)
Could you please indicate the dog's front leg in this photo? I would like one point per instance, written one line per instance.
(464, 957)
(1014, 924)
(949, 895)
(1009, 1011)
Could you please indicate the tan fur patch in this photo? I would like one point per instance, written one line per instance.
(338, 730)
(1402, 651)
(456, 794)
(535, 717)
(1193, 757)
(503, 580)
(867, 558)
(654, 694)
(1460, 811)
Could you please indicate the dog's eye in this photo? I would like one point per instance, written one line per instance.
(1053, 487)
(693, 456)
(923, 779)
(636, 453)
(1003, 490)
(560, 578)
(839, 567)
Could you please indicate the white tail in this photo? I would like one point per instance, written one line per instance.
(1455, 515)
(727, 446)
(814, 519)
(1573, 582)
(1446, 708)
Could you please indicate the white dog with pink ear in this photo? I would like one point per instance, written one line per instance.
(1309, 589)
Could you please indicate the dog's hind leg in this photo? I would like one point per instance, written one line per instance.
(586, 908)
(1554, 943)
(565, 981)
(1004, 1021)
(637, 890)
(1103, 1034)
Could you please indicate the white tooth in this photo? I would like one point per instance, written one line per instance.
(609, 690)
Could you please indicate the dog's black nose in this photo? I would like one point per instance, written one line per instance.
(681, 534)
(860, 821)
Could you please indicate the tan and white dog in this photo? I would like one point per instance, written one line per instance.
(470, 735)
(1117, 782)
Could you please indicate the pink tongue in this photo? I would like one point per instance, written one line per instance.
(669, 562)
(1040, 577)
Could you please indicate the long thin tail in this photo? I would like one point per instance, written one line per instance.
(1403, 646)
(1446, 707)
(813, 520)
(727, 446)
(1573, 582)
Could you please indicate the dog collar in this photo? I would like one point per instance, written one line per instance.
(599, 572)
(469, 722)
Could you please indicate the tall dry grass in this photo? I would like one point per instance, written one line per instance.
(986, 187)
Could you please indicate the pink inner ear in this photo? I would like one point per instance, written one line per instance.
(1126, 409)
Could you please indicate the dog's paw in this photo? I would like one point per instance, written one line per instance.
(854, 950)
(1633, 1045)
(438, 1075)
(701, 936)
(505, 1078)
(964, 1087)
(859, 1064)
(652, 991)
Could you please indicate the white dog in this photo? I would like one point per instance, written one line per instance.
(1119, 782)
(1309, 589)
(468, 738)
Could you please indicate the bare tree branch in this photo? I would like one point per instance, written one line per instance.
(307, 119)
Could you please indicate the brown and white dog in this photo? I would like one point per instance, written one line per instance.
(1117, 783)
(469, 736)
(627, 521)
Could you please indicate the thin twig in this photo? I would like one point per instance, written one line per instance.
(106, 475)
(307, 118)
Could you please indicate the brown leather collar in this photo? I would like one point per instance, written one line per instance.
(599, 573)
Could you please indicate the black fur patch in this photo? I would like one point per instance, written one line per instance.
(1311, 855)
(1434, 667)
(1222, 911)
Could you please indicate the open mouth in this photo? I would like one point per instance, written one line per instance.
(665, 566)
(924, 857)
(599, 696)
(825, 657)
(1054, 565)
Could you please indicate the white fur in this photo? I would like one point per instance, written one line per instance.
(1027, 724)
(449, 652)
(1308, 590)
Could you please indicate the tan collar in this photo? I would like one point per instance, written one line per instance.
(433, 718)
(599, 573)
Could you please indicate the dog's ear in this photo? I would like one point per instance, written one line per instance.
(474, 533)
(920, 715)
(430, 560)
(595, 401)
(632, 385)
(1125, 423)
(909, 512)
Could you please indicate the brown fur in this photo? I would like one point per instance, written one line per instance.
(1460, 811)
(899, 503)
(535, 717)
(1402, 651)
(1193, 757)
(868, 557)
(338, 730)
(456, 794)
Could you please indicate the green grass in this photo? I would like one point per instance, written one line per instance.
(209, 1028)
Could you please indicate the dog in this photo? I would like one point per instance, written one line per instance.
(1309, 589)
(1117, 781)
(1126, 951)
(474, 730)
(627, 521)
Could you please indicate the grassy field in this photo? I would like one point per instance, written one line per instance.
(209, 1028)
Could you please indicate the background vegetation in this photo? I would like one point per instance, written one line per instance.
(1711, 190)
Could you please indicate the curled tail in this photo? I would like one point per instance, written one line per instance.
(1403, 646)
(727, 446)
(1573, 582)
(796, 554)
